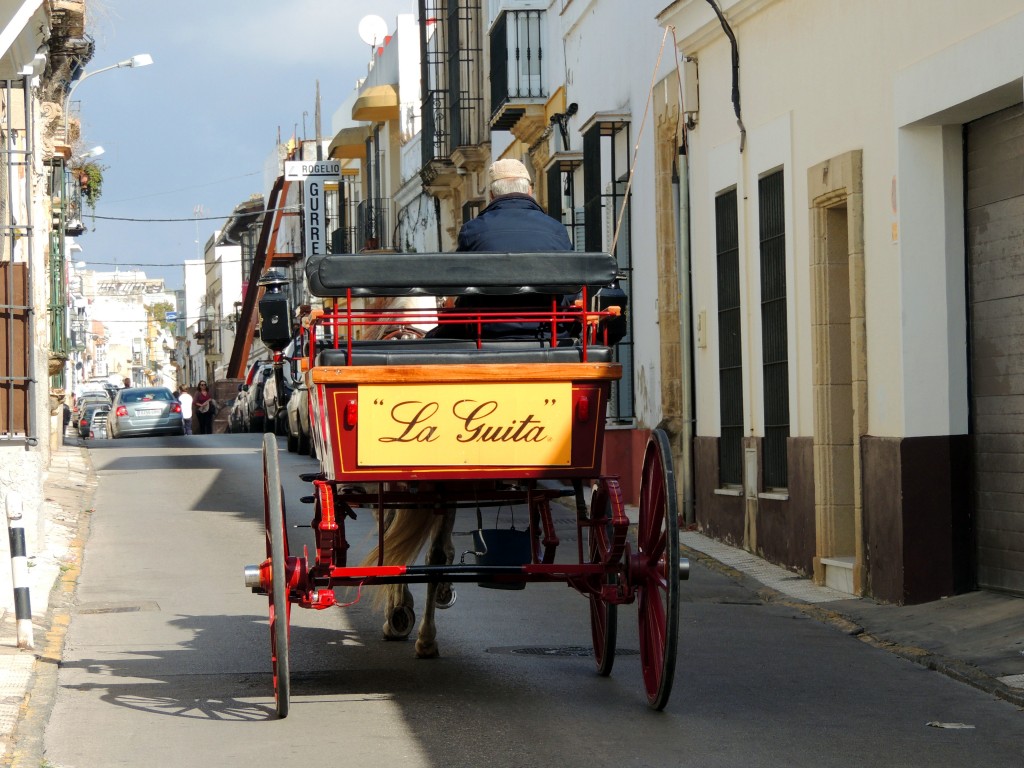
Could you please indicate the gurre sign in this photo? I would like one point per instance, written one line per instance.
(313, 174)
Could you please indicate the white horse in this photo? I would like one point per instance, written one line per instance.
(406, 532)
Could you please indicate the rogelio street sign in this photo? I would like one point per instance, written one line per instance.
(313, 174)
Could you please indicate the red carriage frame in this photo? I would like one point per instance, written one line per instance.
(618, 562)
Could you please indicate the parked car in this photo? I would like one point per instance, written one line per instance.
(144, 411)
(256, 412)
(299, 435)
(93, 397)
(98, 422)
(276, 417)
(90, 413)
(250, 415)
(236, 420)
(229, 406)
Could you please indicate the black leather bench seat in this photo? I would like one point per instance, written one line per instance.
(456, 352)
(457, 274)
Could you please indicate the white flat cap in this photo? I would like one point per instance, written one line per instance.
(509, 169)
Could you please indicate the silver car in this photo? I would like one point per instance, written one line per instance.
(141, 411)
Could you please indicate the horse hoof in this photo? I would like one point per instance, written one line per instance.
(399, 624)
(445, 597)
(426, 649)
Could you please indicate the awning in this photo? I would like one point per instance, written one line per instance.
(349, 143)
(377, 103)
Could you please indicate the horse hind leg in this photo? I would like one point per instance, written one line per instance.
(442, 551)
(399, 617)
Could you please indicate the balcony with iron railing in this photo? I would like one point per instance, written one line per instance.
(372, 230)
(518, 90)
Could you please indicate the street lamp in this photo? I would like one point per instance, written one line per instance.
(139, 60)
(94, 152)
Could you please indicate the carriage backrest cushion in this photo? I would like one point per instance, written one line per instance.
(446, 352)
(457, 274)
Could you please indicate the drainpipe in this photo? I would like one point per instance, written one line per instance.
(681, 193)
(32, 427)
(437, 215)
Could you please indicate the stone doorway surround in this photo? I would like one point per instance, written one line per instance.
(839, 336)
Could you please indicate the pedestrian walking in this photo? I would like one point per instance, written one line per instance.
(186, 409)
(204, 408)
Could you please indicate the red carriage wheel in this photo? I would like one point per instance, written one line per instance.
(277, 551)
(605, 502)
(654, 570)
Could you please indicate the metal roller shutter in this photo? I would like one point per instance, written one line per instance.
(994, 148)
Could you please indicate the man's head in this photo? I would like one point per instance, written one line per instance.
(509, 177)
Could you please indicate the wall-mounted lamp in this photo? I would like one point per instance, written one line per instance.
(561, 119)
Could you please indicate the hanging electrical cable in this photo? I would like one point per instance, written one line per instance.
(735, 71)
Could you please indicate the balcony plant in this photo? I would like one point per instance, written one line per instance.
(90, 180)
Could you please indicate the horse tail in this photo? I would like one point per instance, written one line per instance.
(406, 533)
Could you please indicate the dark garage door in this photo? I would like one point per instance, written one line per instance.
(995, 247)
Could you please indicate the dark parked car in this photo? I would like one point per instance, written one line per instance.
(299, 435)
(248, 414)
(276, 416)
(95, 397)
(236, 422)
(141, 411)
(91, 414)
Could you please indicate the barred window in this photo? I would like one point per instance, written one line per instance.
(730, 351)
(774, 336)
(606, 208)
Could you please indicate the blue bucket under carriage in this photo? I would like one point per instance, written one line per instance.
(501, 546)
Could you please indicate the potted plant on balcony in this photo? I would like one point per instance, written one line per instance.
(90, 180)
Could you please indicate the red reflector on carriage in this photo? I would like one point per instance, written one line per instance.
(351, 414)
(583, 408)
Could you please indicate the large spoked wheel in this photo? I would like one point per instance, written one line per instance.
(277, 551)
(603, 615)
(655, 570)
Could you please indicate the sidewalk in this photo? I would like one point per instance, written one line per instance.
(68, 489)
(977, 638)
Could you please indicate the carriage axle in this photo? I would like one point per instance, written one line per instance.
(587, 578)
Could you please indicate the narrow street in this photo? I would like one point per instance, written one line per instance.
(167, 659)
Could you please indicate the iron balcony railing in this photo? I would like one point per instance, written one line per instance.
(372, 231)
(517, 64)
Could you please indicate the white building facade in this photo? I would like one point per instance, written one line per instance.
(854, 241)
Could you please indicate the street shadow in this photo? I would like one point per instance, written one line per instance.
(349, 665)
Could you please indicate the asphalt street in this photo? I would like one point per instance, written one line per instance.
(166, 658)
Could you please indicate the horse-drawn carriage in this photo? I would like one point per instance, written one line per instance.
(416, 429)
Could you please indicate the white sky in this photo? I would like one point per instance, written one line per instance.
(195, 128)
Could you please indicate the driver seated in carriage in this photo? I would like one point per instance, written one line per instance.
(513, 221)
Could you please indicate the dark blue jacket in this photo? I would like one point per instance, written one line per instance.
(510, 224)
(513, 223)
